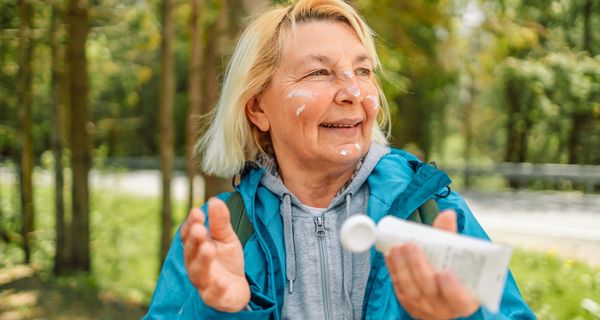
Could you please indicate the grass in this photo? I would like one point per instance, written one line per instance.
(556, 288)
(124, 244)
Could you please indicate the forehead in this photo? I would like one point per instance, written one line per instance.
(324, 41)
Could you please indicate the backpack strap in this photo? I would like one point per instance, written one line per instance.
(426, 213)
(239, 219)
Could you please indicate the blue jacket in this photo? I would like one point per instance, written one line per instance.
(398, 185)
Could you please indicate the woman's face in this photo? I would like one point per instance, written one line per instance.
(321, 102)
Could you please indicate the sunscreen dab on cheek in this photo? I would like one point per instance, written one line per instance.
(374, 100)
(300, 93)
(300, 109)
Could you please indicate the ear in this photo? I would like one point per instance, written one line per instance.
(257, 115)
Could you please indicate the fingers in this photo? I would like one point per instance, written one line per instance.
(413, 279)
(195, 216)
(218, 220)
(201, 267)
(446, 220)
(197, 235)
(422, 291)
(399, 271)
(457, 297)
(421, 271)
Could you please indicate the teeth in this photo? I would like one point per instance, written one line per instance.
(327, 125)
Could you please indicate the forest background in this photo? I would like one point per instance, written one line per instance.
(119, 85)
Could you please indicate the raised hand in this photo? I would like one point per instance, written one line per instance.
(214, 258)
(424, 292)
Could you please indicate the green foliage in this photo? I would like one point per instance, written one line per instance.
(124, 239)
(413, 43)
(556, 288)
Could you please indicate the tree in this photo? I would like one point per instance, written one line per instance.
(79, 118)
(167, 91)
(195, 103)
(215, 46)
(24, 89)
(62, 250)
(220, 35)
(580, 119)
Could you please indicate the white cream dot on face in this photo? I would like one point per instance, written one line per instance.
(300, 93)
(344, 152)
(375, 101)
(354, 90)
(300, 109)
(358, 147)
(348, 74)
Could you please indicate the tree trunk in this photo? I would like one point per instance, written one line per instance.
(469, 133)
(77, 29)
(195, 103)
(218, 44)
(61, 255)
(214, 47)
(578, 122)
(167, 91)
(24, 97)
(579, 119)
(587, 27)
(515, 137)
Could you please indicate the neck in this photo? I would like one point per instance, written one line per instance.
(314, 186)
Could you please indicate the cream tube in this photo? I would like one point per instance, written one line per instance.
(481, 266)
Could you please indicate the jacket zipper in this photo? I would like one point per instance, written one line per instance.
(320, 232)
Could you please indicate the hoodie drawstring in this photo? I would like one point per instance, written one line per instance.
(347, 260)
(288, 236)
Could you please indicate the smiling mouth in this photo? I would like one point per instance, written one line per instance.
(340, 125)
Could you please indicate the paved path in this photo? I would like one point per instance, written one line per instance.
(567, 223)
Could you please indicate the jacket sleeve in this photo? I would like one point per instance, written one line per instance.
(176, 298)
(512, 305)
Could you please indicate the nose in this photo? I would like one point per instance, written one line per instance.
(349, 92)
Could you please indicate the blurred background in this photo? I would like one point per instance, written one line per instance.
(100, 107)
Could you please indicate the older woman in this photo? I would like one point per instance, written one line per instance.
(300, 117)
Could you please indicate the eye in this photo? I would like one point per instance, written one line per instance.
(320, 72)
(363, 72)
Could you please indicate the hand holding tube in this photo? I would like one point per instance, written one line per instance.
(424, 292)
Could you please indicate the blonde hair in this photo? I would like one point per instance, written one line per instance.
(231, 139)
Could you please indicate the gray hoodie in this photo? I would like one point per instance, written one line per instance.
(323, 280)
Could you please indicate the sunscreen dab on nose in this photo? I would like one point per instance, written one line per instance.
(354, 90)
(349, 74)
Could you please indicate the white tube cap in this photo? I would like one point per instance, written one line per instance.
(358, 233)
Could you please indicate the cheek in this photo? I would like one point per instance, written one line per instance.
(305, 104)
